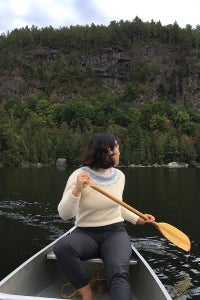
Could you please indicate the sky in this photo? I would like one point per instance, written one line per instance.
(61, 13)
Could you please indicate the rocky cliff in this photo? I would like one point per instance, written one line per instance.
(139, 73)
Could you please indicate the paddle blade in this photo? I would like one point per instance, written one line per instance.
(174, 235)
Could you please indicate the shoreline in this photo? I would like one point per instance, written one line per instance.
(170, 165)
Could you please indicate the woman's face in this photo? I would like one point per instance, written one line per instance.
(116, 154)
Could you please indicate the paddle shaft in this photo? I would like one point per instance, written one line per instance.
(170, 232)
(120, 202)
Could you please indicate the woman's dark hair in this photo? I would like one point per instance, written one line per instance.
(98, 153)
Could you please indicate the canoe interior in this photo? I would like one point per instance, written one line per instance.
(42, 278)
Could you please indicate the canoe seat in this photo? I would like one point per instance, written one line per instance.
(133, 260)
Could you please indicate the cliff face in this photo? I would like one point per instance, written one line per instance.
(140, 74)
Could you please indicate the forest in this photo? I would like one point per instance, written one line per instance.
(40, 127)
(42, 131)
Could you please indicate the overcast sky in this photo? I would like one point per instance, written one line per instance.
(60, 13)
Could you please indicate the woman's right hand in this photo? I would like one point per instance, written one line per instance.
(81, 182)
(150, 219)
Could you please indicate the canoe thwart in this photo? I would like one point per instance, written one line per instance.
(51, 255)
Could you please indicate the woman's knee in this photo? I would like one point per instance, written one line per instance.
(61, 248)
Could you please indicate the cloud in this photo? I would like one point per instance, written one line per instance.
(184, 12)
(88, 12)
(60, 13)
(20, 13)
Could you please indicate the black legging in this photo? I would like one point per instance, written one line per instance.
(111, 243)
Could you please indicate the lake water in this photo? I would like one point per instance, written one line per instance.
(29, 219)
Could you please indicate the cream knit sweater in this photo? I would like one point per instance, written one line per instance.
(93, 209)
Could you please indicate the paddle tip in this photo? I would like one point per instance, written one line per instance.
(187, 248)
(175, 236)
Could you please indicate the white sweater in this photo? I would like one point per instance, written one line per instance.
(91, 208)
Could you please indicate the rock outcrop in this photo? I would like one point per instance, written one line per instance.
(154, 71)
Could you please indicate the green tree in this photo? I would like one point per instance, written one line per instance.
(196, 139)
(10, 152)
(158, 122)
(36, 140)
(171, 148)
(158, 140)
(186, 149)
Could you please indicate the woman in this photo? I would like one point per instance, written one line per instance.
(100, 230)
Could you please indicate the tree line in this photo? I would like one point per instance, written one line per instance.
(89, 38)
(42, 130)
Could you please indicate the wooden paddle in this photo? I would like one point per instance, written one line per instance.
(170, 232)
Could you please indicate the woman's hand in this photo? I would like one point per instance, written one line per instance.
(81, 182)
(150, 219)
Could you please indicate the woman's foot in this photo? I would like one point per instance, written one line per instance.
(86, 293)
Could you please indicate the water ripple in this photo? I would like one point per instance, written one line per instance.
(165, 259)
(34, 214)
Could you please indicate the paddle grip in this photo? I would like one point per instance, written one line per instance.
(120, 202)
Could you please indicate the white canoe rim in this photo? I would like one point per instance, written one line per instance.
(40, 278)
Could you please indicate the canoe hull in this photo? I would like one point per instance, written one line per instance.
(41, 278)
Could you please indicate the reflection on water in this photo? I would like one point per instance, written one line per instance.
(181, 287)
(29, 221)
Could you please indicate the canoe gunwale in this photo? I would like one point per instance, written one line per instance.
(152, 273)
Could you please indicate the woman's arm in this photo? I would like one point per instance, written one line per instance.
(69, 203)
(135, 219)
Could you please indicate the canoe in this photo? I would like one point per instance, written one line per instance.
(40, 278)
